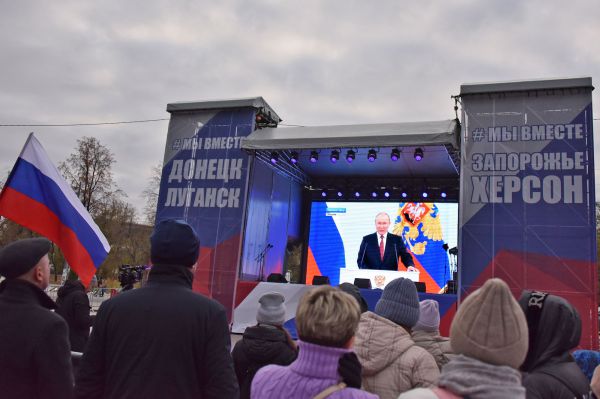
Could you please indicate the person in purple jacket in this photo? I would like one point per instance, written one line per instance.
(326, 321)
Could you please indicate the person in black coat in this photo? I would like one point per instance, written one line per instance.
(35, 360)
(74, 306)
(550, 372)
(381, 250)
(162, 340)
(266, 343)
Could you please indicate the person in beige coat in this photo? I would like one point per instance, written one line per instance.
(426, 333)
(391, 361)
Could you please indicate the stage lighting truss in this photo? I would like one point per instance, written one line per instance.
(350, 156)
(372, 155)
(335, 156)
(314, 156)
(274, 157)
(294, 157)
(418, 154)
(395, 155)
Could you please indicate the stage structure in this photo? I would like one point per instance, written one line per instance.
(205, 179)
(527, 206)
(334, 180)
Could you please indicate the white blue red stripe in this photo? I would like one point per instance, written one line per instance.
(37, 197)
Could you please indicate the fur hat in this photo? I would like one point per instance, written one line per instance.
(490, 326)
(19, 257)
(399, 302)
(271, 309)
(174, 242)
(429, 319)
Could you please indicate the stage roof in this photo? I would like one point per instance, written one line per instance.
(444, 132)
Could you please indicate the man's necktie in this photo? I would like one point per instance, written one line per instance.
(381, 247)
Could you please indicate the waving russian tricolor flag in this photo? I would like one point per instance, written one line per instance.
(38, 197)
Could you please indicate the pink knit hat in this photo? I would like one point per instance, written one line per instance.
(429, 317)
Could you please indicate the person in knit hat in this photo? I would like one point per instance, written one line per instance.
(266, 343)
(162, 340)
(35, 358)
(391, 361)
(490, 339)
(426, 333)
(554, 330)
(353, 290)
(326, 320)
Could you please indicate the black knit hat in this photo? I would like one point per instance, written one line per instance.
(174, 242)
(21, 256)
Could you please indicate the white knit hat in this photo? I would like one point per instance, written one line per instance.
(271, 309)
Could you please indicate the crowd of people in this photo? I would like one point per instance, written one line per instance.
(165, 341)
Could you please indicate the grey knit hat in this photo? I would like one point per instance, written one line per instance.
(271, 309)
(490, 326)
(399, 302)
(429, 319)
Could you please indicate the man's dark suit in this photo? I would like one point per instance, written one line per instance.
(369, 258)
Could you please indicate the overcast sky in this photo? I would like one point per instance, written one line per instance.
(315, 62)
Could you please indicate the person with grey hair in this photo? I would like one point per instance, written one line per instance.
(391, 361)
(35, 360)
(381, 250)
(326, 320)
(266, 343)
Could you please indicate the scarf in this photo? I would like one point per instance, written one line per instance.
(472, 378)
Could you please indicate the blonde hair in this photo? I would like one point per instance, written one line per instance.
(327, 316)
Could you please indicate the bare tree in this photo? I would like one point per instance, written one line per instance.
(89, 172)
(151, 194)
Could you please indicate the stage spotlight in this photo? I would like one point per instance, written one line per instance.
(356, 194)
(350, 155)
(425, 195)
(374, 194)
(274, 157)
(443, 194)
(335, 156)
(386, 194)
(418, 154)
(314, 156)
(395, 154)
(340, 194)
(323, 193)
(294, 157)
(372, 155)
(404, 194)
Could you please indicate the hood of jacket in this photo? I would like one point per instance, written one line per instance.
(261, 343)
(68, 287)
(379, 342)
(558, 331)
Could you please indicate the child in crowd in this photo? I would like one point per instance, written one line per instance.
(426, 333)
(266, 343)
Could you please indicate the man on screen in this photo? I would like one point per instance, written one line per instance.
(381, 250)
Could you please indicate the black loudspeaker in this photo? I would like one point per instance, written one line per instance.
(276, 278)
(455, 276)
(451, 284)
(362, 282)
(321, 280)
(421, 286)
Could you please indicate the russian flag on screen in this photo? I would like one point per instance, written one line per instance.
(36, 196)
